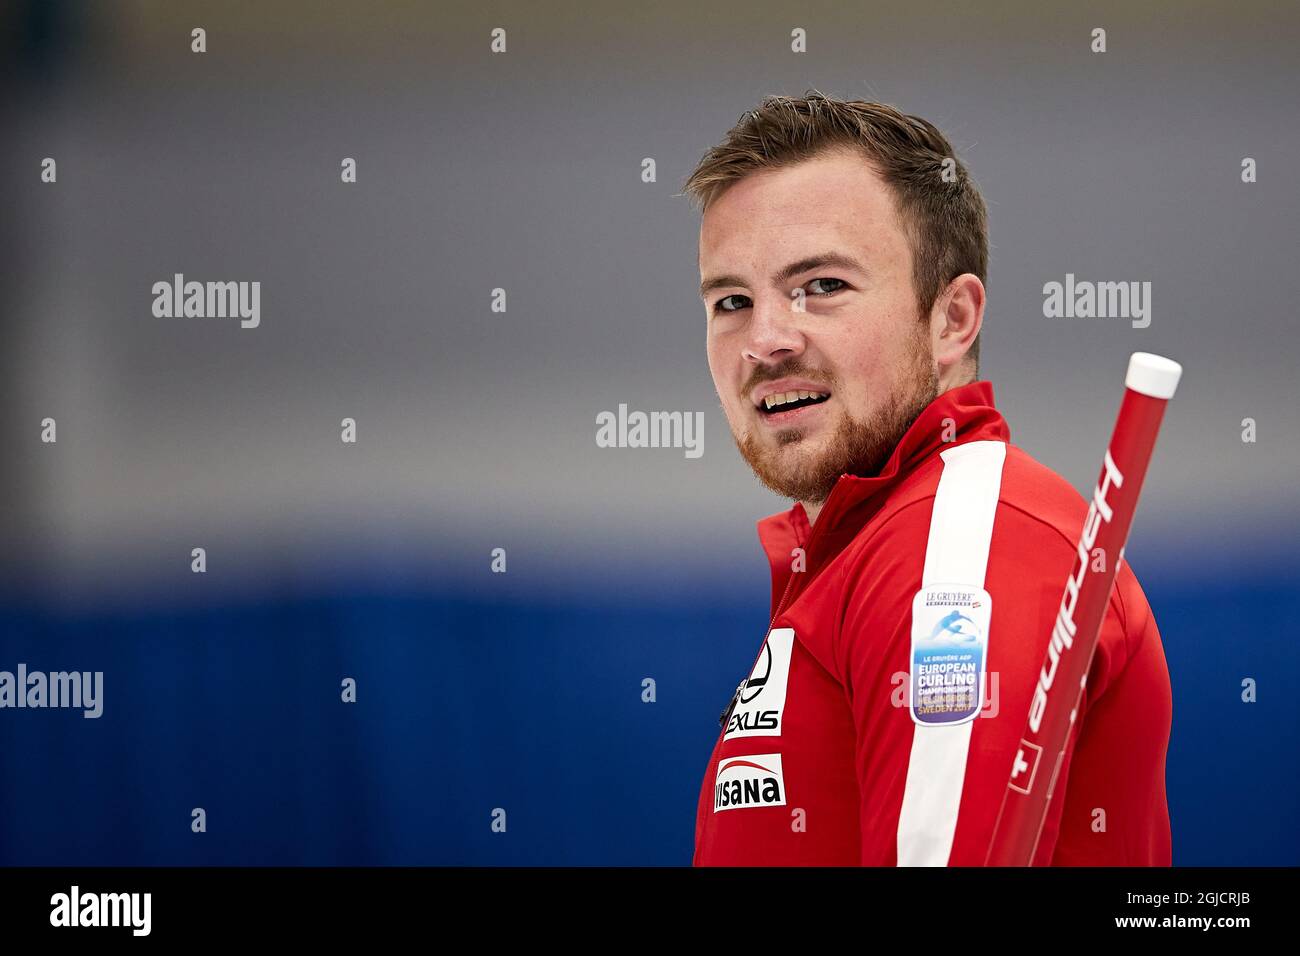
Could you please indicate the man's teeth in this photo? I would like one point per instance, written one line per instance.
(785, 398)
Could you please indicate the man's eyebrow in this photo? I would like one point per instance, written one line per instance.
(786, 273)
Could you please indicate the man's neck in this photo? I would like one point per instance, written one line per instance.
(812, 510)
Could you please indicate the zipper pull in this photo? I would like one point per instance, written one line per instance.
(726, 714)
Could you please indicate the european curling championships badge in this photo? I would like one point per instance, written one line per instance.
(950, 643)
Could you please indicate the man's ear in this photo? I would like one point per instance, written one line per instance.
(955, 321)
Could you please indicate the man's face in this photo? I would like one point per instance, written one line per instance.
(859, 339)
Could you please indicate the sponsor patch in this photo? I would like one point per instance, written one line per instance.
(950, 641)
(749, 781)
(762, 697)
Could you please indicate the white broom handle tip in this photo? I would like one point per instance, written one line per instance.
(1153, 375)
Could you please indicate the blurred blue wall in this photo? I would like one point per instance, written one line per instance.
(535, 707)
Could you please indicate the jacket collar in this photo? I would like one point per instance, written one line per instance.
(854, 499)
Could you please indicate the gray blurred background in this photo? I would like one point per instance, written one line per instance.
(522, 171)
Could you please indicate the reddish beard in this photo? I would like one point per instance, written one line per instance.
(857, 447)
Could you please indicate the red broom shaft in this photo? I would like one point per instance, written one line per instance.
(1150, 384)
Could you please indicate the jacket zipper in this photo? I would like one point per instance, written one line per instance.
(726, 714)
(780, 606)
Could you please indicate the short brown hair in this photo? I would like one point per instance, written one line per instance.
(944, 215)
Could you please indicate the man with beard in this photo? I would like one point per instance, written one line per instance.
(917, 577)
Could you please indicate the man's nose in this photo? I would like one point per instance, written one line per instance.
(774, 333)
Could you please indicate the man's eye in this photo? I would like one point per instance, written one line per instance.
(826, 291)
(722, 306)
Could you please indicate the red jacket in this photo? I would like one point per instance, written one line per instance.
(826, 758)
